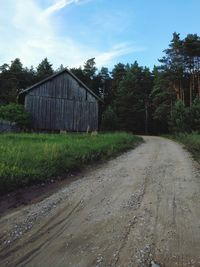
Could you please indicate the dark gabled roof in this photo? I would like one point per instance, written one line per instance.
(55, 75)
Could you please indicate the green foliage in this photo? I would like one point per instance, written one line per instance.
(194, 118)
(44, 69)
(118, 73)
(89, 68)
(78, 72)
(163, 98)
(105, 88)
(109, 120)
(15, 113)
(179, 116)
(185, 119)
(132, 98)
(14, 78)
(182, 63)
(178, 78)
(31, 158)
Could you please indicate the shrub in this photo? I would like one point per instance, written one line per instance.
(109, 120)
(185, 119)
(179, 117)
(15, 113)
(195, 116)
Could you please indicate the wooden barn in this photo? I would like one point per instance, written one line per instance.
(62, 103)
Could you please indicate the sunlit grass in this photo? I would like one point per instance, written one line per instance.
(30, 158)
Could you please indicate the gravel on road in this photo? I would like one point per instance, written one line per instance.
(139, 209)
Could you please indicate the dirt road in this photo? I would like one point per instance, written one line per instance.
(141, 206)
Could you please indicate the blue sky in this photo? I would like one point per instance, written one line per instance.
(69, 32)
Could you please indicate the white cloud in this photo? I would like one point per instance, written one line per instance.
(31, 33)
(57, 6)
(117, 51)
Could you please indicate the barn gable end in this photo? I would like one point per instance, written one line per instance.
(62, 102)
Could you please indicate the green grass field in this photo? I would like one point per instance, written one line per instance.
(191, 142)
(29, 158)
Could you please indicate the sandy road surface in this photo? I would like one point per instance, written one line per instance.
(140, 206)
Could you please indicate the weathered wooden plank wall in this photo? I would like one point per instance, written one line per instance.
(62, 104)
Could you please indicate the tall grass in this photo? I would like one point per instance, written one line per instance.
(29, 158)
(191, 142)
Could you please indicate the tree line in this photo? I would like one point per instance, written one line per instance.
(136, 99)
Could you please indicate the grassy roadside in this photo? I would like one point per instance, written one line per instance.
(29, 158)
(191, 142)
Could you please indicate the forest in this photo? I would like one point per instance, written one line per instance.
(136, 99)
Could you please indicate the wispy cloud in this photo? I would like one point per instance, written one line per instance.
(57, 6)
(31, 33)
(116, 51)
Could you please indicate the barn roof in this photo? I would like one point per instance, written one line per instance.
(57, 74)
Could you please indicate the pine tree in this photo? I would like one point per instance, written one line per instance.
(131, 99)
(89, 68)
(105, 88)
(163, 98)
(12, 79)
(44, 70)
